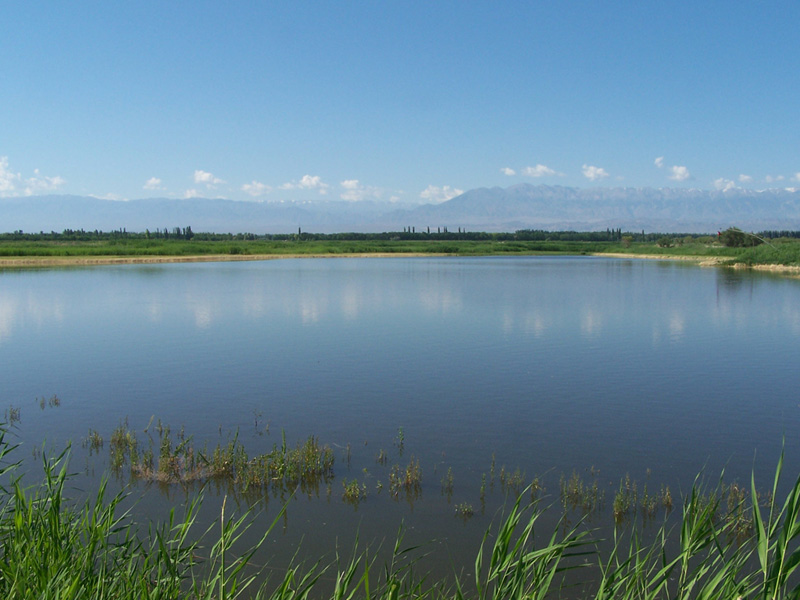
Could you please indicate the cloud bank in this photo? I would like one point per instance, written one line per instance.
(12, 184)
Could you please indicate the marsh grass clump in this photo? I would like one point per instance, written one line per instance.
(413, 475)
(576, 494)
(513, 481)
(408, 479)
(305, 465)
(123, 447)
(464, 510)
(53, 402)
(93, 441)
(665, 497)
(648, 504)
(12, 415)
(536, 489)
(175, 464)
(626, 499)
(400, 440)
(353, 492)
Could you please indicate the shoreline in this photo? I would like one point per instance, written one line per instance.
(710, 261)
(78, 261)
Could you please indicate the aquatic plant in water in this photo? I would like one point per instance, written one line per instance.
(55, 547)
(307, 464)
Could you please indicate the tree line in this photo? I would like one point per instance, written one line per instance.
(729, 237)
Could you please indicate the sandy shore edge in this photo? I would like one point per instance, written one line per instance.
(708, 261)
(68, 261)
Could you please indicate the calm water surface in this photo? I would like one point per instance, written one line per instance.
(657, 369)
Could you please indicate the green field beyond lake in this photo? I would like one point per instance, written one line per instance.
(75, 247)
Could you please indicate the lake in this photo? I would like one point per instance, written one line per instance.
(537, 365)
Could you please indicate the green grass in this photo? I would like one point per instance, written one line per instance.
(784, 251)
(178, 460)
(780, 252)
(53, 547)
(136, 247)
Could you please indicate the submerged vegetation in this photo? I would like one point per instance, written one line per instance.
(306, 465)
(55, 547)
(733, 245)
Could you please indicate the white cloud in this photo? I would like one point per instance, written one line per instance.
(771, 178)
(724, 184)
(354, 191)
(154, 183)
(796, 176)
(508, 171)
(13, 183)
(307, 182)
(41, 183)
(593, 173)
(679, 173)
(256, 188)
(191, 194)
(7, 177)
(435, 194)
(745, 178)
(206, 178)
(539, 171)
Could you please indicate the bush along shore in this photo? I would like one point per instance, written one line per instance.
(725, 542)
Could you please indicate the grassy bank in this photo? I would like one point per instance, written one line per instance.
(28, 250)
(51, 547)
(141, 248)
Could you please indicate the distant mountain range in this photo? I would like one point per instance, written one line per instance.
(522, 206)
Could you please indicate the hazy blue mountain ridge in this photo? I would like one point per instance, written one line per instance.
(522, 206)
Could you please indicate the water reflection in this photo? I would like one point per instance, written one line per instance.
(548, 364)
(524, 297)
(591, 321)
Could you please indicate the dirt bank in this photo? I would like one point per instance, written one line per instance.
(70, 261)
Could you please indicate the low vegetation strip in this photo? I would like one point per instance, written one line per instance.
(70, 248)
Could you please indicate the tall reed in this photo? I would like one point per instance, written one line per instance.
(55, 547)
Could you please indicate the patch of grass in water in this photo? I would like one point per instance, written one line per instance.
(513, 481)
(576, 494)
(93, 441)
(408, 479)
(305, 465)
(353, 492)
(464, 510)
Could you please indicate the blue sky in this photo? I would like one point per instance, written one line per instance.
(394, 101)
